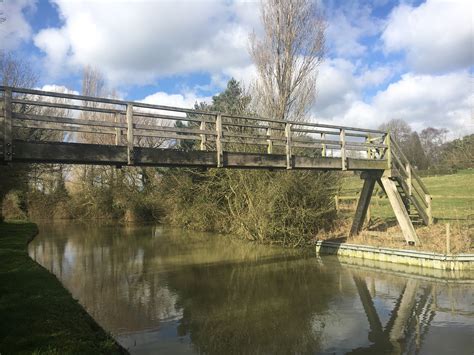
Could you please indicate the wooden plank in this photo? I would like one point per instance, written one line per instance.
(68, 120)
(62, 127)
(323, 150)
(203, 136)
(363, 204)
(7, 126)
(269, 141)
(130, 157)
(400, 211)
(342, 138)
(118, 132)
(219, 147)
(81, 153)
(288, 146)
(365, 164)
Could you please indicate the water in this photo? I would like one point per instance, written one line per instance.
(161, 290)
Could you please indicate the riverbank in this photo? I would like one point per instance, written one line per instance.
(37, 314)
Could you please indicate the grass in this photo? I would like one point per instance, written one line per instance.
(453, 203)
(37, 314)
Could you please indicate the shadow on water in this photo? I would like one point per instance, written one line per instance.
(170, 291)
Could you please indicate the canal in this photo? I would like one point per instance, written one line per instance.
(164, 290)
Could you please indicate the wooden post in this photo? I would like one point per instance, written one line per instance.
(118, 130)
(336, 202)
(448, 239)
(342, 139)
(7, 129)
(323, 151)
(130, 156)
(409, 181)
(270, 143)
(389, 153)
(363, 204)
(369, 150)
(220, 154)
(428, 209)
(288, 145)
(203, 136)
(400, 211)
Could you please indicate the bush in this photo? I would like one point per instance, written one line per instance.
(283, 207)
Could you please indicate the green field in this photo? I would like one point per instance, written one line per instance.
(37, 314)
(453, 196)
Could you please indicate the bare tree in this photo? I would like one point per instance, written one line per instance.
(399, 130)
(287, 56)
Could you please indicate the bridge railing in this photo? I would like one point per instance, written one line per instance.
(27, 113)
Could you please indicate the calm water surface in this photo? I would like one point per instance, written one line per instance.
(161, 290)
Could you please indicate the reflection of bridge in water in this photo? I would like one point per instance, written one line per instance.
(36, 127)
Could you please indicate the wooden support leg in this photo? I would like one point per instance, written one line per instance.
(401, 213)
(363, 204)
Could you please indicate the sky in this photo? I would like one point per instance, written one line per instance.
(410, 60)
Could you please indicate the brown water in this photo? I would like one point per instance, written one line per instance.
(161, 290)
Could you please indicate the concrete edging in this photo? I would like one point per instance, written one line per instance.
(459, 262)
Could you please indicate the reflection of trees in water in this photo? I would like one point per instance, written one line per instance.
(260, 307)
(107, 272)
(237, 297)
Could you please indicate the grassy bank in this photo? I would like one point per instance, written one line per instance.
(453, 203)
(37, 314)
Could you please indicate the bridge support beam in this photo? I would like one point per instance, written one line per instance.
(400, 211)
(364, 202)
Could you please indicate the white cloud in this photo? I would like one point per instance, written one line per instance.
(136, 44)
(183, 100)
(15, 29)
(422, 100)
(347, 25)
(436, 36)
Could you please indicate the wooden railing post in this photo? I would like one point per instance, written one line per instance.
(118, 131)
(270, 143)
(428, 209)
(389, 151)
(369, 149)
(342, 141)
(220, 155)
(203, 136)
(7, 126)
(288, 145)
(130, 154)
(409, 181)
(323, 151)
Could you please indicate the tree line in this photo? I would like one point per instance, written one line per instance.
(430, 149)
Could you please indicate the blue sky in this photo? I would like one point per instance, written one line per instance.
(385, 59)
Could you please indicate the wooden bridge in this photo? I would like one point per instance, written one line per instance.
(51, 127)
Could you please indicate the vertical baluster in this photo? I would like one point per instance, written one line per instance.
(7, 129)
(203, 135)
(118, 131)
(428, 209)
(323, 151)
(288, 145)
(220, 154)
(342, 142)
(270, 142)
(369, 148)
(388, 152)
(130, 153)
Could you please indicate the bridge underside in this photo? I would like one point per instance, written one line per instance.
(79, 153)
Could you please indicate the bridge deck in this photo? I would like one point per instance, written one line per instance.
(80, 153)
